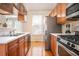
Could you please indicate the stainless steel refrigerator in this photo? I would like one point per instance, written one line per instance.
(51, 27)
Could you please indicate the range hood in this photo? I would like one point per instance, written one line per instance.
(73, 11)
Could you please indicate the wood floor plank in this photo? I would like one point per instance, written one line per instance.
(38, 49)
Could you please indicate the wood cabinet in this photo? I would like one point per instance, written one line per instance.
(29, 42)
(61, 9)
(17, 47)
(6, 8)
(57, 49)
(54, 45)
(21, 12)
(60, 12)
(21, 17)
(21, 8)
(21, 46)
(62, 51)
(61, 20)
(3, 50)
(13, 48)
(26, 45)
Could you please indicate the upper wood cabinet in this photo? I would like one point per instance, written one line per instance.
(61, 20)
(53, 12)
(6, 8)
(60, 12)
(21, 17)
(21, 8)
(21, 11)
(54, 48)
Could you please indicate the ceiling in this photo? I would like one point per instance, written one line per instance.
(39, 6)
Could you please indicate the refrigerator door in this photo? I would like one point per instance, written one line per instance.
(52, 27)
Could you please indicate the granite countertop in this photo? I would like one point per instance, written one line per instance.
(56, 34)
(7, 39)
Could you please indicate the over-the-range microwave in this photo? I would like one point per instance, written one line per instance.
(73, 11)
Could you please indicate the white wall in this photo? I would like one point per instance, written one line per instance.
(27, 26)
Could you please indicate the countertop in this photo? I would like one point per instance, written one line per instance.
(56, 34)
(7, 39)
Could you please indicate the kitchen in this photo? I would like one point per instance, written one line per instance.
(39, 29)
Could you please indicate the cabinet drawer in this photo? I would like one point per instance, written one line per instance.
(13, 50)
(12, 43)
(26, 37)
(13, 46)
(62, 51)
(21, 39)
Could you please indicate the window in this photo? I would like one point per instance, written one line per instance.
(14, 24)
(37, 24)
(18, 26)
(10, 22)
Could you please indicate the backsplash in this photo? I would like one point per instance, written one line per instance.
(74, 26)
(8, 23)
(2, 20)
(4, 29)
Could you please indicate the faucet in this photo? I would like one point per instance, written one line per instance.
(10, 33)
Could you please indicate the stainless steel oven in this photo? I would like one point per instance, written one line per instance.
(71, 42)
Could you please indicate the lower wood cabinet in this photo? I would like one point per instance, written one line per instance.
(57, 49)
(21, 46)
(54, 45)
(62, 51)
(13, 48)
(26, 45)
(28, 42)
(18, 47)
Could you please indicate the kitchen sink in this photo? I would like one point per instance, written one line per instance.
(16, 34)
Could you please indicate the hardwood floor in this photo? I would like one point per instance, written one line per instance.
(38, 49)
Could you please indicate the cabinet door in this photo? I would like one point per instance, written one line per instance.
(61, 13)
(29, 42)
(62, 52)
(21, 47)
(3, 50)
(26, 45)
(4, 9)
(54, 45)
(61, 20)
(13, 50)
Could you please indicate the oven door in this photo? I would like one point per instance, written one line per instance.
(62, 51)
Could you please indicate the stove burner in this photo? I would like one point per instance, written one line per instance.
(71, 38)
